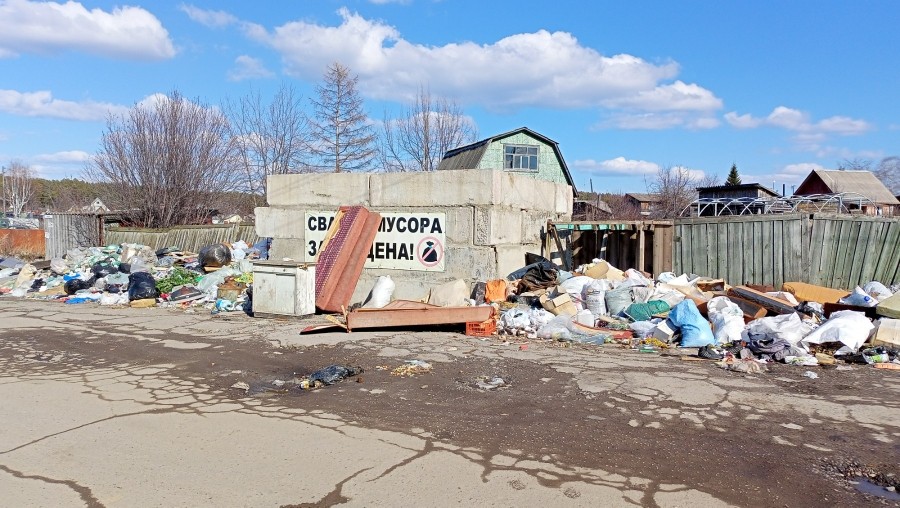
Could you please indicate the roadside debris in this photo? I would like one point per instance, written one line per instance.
(138, 276)
(329, 376)
(412, 368)
(490, 383)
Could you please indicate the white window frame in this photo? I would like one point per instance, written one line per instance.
(523, 156)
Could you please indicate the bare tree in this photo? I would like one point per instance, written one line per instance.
(855, 164)
(427, 129)
(676, 188)
(271, 139)
(18, 187)
(166, 162)
(343, 138)
(888, 171)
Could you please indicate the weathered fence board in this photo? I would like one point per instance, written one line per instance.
(189, 238)
(839, 251)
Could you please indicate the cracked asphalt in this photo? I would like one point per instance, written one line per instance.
(135, 407)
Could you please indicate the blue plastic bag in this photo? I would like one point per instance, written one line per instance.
(695, 330)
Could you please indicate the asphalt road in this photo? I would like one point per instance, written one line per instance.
(137, 407)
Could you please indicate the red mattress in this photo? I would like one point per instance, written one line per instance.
(341, 259)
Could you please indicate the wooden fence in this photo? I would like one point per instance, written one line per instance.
(645, 245)
(189, 238)
(839, 251)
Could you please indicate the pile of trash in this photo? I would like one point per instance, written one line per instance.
(741, 327)
(217, 278)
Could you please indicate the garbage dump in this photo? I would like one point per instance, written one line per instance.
(217, 279)
(741, 328)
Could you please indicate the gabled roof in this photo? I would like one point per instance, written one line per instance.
(469, 156)
(738, 187)
(645, 198)
(864, 183)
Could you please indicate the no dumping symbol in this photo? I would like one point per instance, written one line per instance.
(430, 251)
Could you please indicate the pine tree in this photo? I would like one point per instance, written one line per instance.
(342, 137)
(733, 177)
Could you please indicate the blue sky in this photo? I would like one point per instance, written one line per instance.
(778, 88)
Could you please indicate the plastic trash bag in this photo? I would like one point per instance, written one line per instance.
(210, 282)
(695, 331)
(645, 311)
(786, 326)
(860, 298)
(103, 268)
(381, 293)
(138, 265)
(114, 299)
(878, 290)
(847, 327)
(727, 319)
(59, 266)
(618, 300)
(515, 319)
(75, 285)
(642, 329)
(141, 285)
(215, 256)
(594, 296)
(332, 374)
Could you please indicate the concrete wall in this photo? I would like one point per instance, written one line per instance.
(493, 217)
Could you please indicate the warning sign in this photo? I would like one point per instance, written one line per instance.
(405, 241)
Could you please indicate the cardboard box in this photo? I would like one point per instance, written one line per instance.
(811, 293)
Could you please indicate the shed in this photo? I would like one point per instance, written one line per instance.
(863, 183)
(645, 203)
(744, 190)
(521, 151)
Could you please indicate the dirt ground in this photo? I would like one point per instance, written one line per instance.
(772, 439)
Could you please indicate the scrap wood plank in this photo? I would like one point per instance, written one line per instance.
(415, 314)
(770, 303)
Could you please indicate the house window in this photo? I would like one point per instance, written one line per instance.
(520, 157)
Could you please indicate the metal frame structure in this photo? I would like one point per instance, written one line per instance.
(843, 202)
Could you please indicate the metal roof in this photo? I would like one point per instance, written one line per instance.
(739, 186)
(469, 156)
(864, 183)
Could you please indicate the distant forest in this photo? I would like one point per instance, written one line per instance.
(72, 194)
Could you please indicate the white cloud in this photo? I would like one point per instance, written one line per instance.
(67, 156)
(617, 166)
(799, 121)
(247, 67)
(790, 174)
(42, 104)
(50, 27)
(677, 96)
(658, 121)
(212, 19)
(540, 69)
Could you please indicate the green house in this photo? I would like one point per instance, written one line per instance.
(521, 151)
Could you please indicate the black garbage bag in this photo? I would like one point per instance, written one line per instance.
(141, 285)
(73, 286)
(215, 256)
(538, 276)
(332, 374)
(124, 267)
(103, 268)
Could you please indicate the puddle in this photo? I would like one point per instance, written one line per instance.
(867, 487)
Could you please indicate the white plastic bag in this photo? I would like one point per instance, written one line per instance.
(786, 326)
(594, 295)
(59, 266)
(847, 327)
(860, 298)
(878, 290)
(381, 293)
(727, 319)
